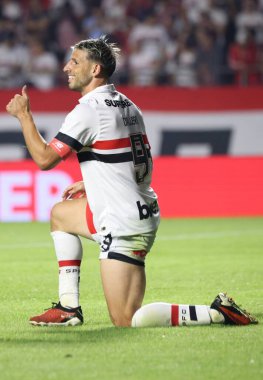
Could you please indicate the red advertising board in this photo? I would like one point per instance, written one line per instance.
(218, 186)
(204, 187)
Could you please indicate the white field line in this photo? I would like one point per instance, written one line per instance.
(194, 236)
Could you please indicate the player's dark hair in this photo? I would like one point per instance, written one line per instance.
(101, 51)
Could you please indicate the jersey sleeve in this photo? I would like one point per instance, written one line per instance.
(78, 130)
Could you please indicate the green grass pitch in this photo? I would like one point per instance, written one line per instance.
(192, 260)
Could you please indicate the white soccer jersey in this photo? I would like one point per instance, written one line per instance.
(107, 131)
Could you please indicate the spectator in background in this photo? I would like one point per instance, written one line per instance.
(78, 6)
(143, 66)
(11, 9)
(251, 18)
(42, 67)
(117, 25)
(66, 30)
(7, 25)
(36, 21)
(138, 10)
(147, 42)
(151, 34)
(206, 56)
(13, 57)
(93, 25)
(182, 71)
(194, 9)
(244, 59)
(221, 22)
(115, 9)
(180, 23)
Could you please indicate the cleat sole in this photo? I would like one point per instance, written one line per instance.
(71, 322)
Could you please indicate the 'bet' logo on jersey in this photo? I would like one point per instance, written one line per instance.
(147, 211)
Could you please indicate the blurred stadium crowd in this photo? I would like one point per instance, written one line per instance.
(183, 43)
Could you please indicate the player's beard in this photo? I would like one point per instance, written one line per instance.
(78, 84)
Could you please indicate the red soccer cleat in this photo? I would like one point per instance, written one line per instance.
(58, 315)
(232, 313)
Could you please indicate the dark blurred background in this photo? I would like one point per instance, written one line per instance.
(180, 43)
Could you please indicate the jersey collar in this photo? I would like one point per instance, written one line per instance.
(106, 88)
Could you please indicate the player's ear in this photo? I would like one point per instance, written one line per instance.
(97, 69)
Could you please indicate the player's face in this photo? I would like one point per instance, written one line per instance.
(79, 70)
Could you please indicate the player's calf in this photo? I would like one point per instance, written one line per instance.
(222, 310)
(165, 314)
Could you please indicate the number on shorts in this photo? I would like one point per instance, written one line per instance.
(141, 158)
(106, 243)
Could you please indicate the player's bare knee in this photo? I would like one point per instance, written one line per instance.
(121, 322)
(56, 217)
(121, 319)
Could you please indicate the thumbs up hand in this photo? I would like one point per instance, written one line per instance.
(19, 105)
(24, 92)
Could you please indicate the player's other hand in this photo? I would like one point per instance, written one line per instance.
(76, 190)
(19, 105)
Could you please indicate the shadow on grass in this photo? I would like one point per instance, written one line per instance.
(76, 334)
(86, 334)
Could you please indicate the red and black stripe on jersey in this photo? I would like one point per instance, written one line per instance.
(111, 158)
(107, 158)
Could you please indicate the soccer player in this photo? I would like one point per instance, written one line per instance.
(114, 205)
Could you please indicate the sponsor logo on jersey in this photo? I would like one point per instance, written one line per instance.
(147, 211)
(118, 103)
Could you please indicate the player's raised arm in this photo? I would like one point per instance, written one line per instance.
(43, 155)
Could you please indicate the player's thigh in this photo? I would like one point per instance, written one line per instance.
(70, 216)
(124, 288)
